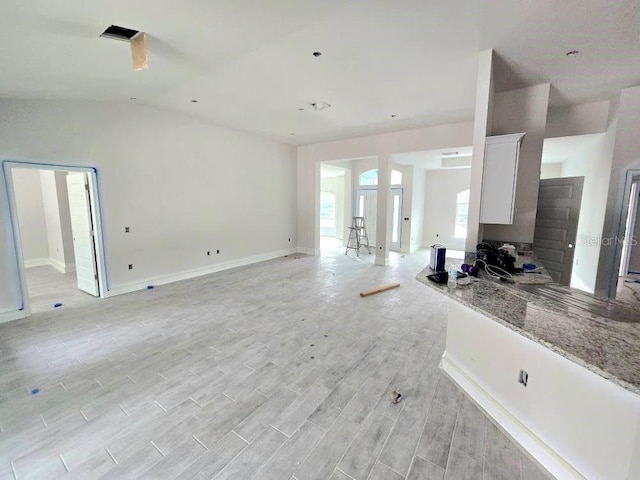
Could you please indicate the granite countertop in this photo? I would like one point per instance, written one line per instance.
(600, 335)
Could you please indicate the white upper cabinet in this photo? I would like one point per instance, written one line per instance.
(499, 178)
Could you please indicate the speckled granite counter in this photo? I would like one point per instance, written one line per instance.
(600, 335)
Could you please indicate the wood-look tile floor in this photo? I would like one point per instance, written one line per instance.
(48, 287)
(273, 371)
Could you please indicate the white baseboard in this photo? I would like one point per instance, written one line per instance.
(11, 316)
(308, 251)
(165, 279)
(537, 450)
(36, 262)
(57, 265)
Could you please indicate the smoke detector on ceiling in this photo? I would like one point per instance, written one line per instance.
(317, 106)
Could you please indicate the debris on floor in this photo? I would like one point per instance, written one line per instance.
(395, 396)
(384, 288)
(56, 305)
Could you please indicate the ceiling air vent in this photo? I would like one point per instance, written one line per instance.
(119, 33)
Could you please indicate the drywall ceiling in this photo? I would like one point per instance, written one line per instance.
(329, 171)
(249, 63)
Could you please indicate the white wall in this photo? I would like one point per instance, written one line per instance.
(182, 185)
(65, 220)
(441, 190)
(58, 221)
(583, 119)
(517, 111)
(417, 210)
(31, 216)
(590, 158)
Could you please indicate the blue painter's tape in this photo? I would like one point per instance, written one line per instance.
(56, 305)
(149, 287)
(35, 391)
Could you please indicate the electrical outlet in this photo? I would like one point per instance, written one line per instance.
(131, 266)
(218, 252)
(208, 253)
(126, 230)
(289, 240)
(523, 378)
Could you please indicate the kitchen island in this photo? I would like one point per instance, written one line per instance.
(557, 369)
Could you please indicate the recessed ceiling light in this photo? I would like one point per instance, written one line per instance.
(194, 101)
(572, 53)
(317, 54)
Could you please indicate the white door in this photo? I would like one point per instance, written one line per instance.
(396, 219)
(367, 207)
(82, 229)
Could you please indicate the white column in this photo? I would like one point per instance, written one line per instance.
(481, 129)
(383, 234)
(308, 199)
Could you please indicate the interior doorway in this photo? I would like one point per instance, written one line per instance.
(366, 205)
(630, 261)
(628, 286)
(56, 224)
(335, 206)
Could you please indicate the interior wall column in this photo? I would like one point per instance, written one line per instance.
(308, 202)
(383, 234)
(481, 129)
(625, 158)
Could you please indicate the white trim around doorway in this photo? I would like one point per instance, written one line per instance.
(94, 191)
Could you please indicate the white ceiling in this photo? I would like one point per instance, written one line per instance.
(249, 63)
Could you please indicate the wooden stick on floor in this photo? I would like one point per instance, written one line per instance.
(379, 289)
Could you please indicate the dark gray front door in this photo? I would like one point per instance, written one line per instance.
(557, 225)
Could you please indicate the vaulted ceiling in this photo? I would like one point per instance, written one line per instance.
(249, 63)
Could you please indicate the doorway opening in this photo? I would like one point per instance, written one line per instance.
(366, 205)
(55, 217)
(335, 203)
(628, 287)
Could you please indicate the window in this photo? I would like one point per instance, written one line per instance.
(327, 209)
(462, 212)
(370, 177)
